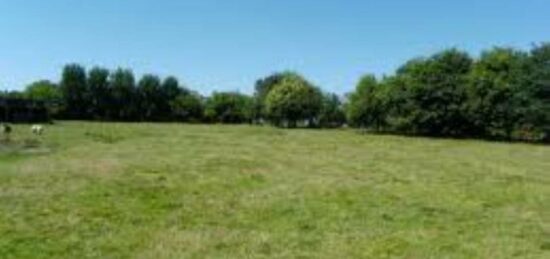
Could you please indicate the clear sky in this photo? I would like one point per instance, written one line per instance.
(228, 44)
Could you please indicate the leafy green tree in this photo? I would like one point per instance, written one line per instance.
(498, 92)
(262, 88)
(539, 118)
(188, 107)
(74, 91)
(228, 107)
(47, 92)
(171, 87)
(437, 90)
(124, 105)
(12, 94)
(332, 112)
(170, 90)
(99, 92)
(43, 90)
(504, 94)
(365, 108)
(293, 100)
(150, 97)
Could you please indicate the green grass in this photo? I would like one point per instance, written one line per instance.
(106, 190)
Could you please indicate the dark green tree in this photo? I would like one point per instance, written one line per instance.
(99, 92)
(188, 107)
(170, 90)
(539, 118)
(12, 94)
(150, 97)
(332, 113)
(74, 91)
(437, 88)
(499, 95)
(124, 105)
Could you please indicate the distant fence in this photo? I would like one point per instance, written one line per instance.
(16, 110)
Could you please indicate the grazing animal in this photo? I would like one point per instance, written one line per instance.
(5, 129)
(37, 129)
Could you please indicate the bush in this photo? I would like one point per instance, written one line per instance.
(229, 107)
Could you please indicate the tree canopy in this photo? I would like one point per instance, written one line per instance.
(228, 107)
(293, 100)
(502, 94)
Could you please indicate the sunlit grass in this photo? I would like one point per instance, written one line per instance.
(113, 190)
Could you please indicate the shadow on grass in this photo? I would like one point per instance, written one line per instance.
(451, 137)
(20, 148)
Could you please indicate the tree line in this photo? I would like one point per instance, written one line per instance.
(503, 94)
(284, 99)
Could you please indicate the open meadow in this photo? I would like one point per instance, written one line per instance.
(115, 190)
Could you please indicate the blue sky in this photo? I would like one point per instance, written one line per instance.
(227, 45)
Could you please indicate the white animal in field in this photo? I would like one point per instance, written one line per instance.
(37, 129)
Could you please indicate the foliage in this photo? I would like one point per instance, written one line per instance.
(262, 88)
(436, 87)
(124, 104)
(74, 91)
(293, 100)
(150, 97)
(501, 95)
(498, 92)
(228, 107)
(47, 92)
(169, 91)
(365, 108)
(42, 90)
(188, 107)
(332, 113)
(12, 94)
(98, 92)
(539, 64)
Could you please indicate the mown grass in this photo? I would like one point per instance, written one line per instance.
(108, 190)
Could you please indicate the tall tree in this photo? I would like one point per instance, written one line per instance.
(332, 114)
(540, 81)
(364, 108)
(150, 97)
(170, 90)
(99, 93)
(498, 98)
(124, 98)
(73, 88)
(437, 90)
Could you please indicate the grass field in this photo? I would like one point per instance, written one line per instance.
(106, 190)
